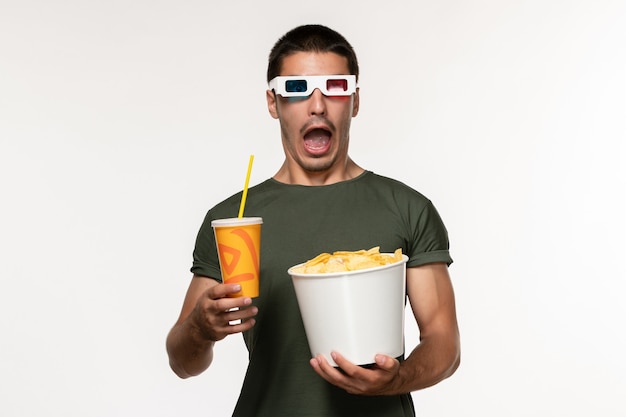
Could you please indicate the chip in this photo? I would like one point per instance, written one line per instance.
(343, 261)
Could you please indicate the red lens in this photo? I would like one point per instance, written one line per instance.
(338, 84)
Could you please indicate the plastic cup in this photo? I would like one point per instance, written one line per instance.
(357, 313)
(238, 245)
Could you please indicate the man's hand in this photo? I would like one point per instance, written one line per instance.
(355, 379)
(208, 315)
(216, 316)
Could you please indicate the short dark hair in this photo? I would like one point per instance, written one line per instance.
(310, 38)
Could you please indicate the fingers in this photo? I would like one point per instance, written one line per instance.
(387, 363)
(326, 370)
(223, 290)
(238, 326)
(217, 316)
(217, 298)
(382, 362)
(347, 366)
(356, 379)
(336, 376)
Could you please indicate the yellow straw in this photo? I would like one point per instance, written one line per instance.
(245, 187)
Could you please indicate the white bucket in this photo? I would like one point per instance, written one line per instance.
(357, 313)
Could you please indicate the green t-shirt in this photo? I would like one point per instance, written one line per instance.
(300, 222)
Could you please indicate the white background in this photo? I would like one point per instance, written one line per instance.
(122, 122)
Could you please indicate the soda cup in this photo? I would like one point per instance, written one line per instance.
(238, 245)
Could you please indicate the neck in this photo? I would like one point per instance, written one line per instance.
(288, 174)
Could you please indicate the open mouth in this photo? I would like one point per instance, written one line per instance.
(317, 141)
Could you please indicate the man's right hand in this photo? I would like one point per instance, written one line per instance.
(208, 315)
(216, 315)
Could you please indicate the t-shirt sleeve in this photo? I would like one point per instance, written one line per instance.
(205, 258)
(430, 238)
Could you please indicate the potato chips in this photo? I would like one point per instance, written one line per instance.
(342, 261)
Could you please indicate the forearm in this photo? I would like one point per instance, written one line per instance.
(190, 353)
(438, 354)
(433, 360)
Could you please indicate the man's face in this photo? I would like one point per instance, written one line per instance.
(315, 130)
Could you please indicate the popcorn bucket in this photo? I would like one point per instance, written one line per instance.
(356, 313)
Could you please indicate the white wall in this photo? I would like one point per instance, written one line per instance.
(115, 119)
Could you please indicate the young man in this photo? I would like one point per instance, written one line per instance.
(319, 201)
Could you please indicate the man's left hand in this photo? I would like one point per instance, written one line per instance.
(355, 379)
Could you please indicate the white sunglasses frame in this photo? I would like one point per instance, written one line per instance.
(313, 82)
